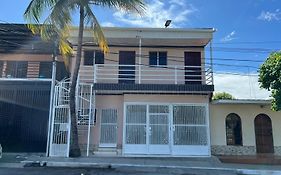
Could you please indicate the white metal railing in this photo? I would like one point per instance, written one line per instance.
(144, 74)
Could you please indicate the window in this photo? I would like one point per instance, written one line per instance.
(233, 130)
(16, 69)
(157, 58)
(45, 70)
(91, 55)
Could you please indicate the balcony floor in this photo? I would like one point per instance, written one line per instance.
(154, 88)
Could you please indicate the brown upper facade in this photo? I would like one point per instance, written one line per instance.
(25, 56)
(143, 60)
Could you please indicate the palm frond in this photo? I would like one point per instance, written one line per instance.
(35, 9)
(96, 29)
(127, 5)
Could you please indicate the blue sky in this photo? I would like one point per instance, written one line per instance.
(246, 29)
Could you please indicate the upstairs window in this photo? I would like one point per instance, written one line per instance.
(233, 130)
(16, 69)
(157, 58)
(91, 55)
(45, 70)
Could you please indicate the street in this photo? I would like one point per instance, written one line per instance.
(91, 171)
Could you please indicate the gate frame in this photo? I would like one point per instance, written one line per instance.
(206, 105)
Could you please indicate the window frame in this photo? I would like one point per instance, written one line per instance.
(158, 57)
(92, 61)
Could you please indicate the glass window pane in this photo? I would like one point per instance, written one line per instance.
(88, 58)
(159, 134)
(45, 70)
(158, 109)
(190, 135)
(158, 119)
(162, 58)
(136, 114)
(153, 58)
(135, 134)
(109, 116)
(189, 115)
(99, 57)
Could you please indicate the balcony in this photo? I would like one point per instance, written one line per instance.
(132, 78)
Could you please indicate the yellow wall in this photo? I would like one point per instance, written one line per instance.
(247, 113)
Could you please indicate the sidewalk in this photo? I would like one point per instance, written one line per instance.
(155, 164)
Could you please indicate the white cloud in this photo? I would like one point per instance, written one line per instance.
(157, 12)
(229, 37)
(240, 86)
(107, 24)
(270, 16)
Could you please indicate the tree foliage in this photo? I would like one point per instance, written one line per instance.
(222, 96)
(270, 78)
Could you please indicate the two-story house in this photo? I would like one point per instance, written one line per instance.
(148, 96)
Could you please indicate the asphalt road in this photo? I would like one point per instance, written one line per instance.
(89, 171)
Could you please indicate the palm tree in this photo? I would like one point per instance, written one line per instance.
(58, 20)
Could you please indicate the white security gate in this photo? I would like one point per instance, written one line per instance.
(190, 130)
(135, 129)
(108, 129)
(60, 131)
(159, 129)
(180, 130)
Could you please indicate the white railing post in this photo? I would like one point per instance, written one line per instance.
(176, 74)
(139, 74)
(95, 73)
(89, 121)
(140, 52)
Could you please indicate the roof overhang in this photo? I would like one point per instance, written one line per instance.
(169, 37)
(243, 101)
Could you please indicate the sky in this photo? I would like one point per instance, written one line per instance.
(247, 31)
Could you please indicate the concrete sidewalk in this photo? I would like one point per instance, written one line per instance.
(155, 164)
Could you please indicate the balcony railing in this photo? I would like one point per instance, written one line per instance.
(143, 74)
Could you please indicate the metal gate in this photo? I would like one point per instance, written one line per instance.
(173, 129)
(60, 130)
(159, 129)
(108, 129)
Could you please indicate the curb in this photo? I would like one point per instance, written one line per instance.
(142, 167)
(11, 165)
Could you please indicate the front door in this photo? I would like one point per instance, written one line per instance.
(263, 131)
(193, 71)
(127, 60)
(108, 128)
(159, 129)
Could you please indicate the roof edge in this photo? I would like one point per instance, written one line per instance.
(243, 101)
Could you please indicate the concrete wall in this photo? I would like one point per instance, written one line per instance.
(247, 113)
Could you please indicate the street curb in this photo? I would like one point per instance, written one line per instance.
(146, 167)
(11, 165)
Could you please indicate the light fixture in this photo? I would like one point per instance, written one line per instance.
(168, 22)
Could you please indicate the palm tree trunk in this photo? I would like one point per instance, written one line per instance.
(74, 144)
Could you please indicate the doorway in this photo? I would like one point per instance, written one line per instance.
(193, 72)
(263, 131)
(127, 60)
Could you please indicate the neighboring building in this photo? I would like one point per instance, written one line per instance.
(151, 93)
(25, 82)
(244, 127)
